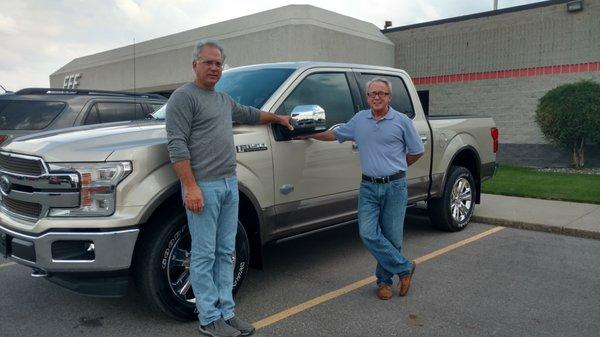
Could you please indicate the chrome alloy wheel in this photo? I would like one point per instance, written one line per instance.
(178, 267)
(461, 200)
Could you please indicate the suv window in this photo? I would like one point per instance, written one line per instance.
(106, 112)
(328, 90)
(400, 98)
(28, 115)
(155, 106)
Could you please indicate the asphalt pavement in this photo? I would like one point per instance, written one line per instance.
(482, 281)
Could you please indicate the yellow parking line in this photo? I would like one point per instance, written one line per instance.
(456, 245)
(7, 264)
(359, 284)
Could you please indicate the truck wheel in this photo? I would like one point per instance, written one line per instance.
(162, 266)
(452, 212)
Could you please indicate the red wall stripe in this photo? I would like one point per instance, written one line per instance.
(524, 72)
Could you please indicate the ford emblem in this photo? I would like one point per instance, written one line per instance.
(5, 185)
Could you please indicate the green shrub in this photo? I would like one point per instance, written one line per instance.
(569, 115)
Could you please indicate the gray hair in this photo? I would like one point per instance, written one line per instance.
(382, 80)
(207, 42)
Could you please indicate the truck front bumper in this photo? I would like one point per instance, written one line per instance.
(63, 251)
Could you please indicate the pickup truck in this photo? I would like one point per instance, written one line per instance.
(96, 208)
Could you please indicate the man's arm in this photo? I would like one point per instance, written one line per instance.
(178, 126)
(412, 158)
(326, 136)
(192, 195)
(267, 117)
(341, 133)
(414, 144)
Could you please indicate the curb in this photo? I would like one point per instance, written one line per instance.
(580, 233)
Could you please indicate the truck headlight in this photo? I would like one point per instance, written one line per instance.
(98, 183)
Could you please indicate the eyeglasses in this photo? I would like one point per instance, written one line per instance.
(381, 94)
(210, 63)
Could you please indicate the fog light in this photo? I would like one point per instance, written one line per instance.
(73, 250)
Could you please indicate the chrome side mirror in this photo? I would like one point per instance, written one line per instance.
(308, 119)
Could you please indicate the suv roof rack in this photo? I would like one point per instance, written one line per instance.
(61, 91)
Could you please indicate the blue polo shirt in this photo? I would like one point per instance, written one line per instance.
(383, 144)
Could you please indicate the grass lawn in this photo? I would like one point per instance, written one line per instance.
(527, 182)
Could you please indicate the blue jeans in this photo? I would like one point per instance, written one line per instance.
(213, 243)
(381, 210)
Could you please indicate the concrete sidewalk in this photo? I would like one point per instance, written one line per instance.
(569, 218)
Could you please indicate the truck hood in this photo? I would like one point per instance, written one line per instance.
(90, 142)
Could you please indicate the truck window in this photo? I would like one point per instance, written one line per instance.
(400, 98)
(328, 90)
(106, 112)
(28, 115)
(424, 98)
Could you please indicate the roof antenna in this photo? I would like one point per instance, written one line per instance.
(134, 88)
(134, 66)
(5, 91)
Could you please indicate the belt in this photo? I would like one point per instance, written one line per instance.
(384, 180)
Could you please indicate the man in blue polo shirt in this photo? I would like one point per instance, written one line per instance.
(388, 143)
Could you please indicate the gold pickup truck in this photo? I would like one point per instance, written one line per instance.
(97, 208)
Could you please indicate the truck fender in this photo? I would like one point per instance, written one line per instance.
(250, 214)
(461, 150)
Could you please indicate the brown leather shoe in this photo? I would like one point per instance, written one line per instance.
(384, 292)
(405, 281)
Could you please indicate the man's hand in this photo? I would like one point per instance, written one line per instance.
(286, 121)
(192, 195)
(412, 158)
(193, 198)
(267, 117)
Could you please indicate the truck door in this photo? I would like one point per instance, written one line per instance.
(418, 173)
(316, 182)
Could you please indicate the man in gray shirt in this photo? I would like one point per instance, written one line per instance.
(201, 148)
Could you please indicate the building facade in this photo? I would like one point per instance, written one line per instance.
(496, 63)
(500, 64)
(290, 33)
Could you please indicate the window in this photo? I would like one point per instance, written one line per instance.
(252, 87)
(424, 98)
(106, 112)
(400, 98)
(28, 115)
(155, 106)
(328, 90)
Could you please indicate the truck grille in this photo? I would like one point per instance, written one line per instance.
(29, 209)
(21, 165)
(28, 190)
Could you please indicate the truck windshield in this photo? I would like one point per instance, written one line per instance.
(251, 87)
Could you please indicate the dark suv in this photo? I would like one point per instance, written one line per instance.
(38, 109)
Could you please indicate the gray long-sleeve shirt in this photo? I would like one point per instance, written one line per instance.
(199, 128)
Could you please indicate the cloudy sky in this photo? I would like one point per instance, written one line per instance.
(37, 37)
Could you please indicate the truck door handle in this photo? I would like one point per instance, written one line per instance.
(423, 139)
(354, 146)
(286, 189)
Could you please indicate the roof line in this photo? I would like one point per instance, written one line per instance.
(477, 15)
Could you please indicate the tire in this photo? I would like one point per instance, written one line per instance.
(162, 265)
(452, 212)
